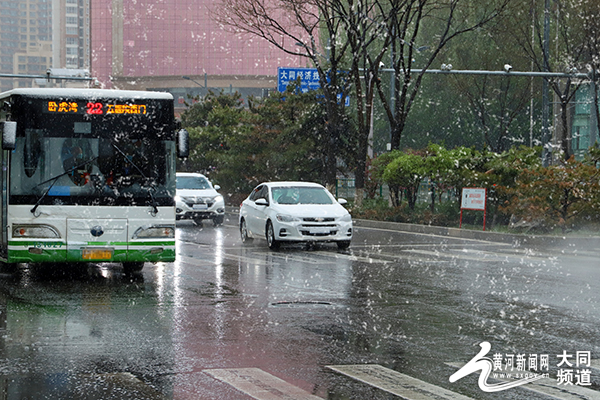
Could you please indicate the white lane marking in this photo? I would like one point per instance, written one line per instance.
(394, 382)
(562, 392)
(439, 254)
(478, 255)
(259, 384)
(351, 257)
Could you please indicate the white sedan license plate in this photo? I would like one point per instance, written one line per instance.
(200, 207)
(318, 231)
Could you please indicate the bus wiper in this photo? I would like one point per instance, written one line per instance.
(130, 161)
(55, 179)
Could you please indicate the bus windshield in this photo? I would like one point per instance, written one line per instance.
(93, 160)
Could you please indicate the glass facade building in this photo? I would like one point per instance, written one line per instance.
(152, 44)
(583, 121)
(39, 34)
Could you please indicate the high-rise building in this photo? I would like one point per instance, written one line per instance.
(71, 29)
(36, 35)
(152, 45)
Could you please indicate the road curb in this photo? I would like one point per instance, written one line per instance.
(514, 239)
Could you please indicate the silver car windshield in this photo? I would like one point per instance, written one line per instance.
(301, 195)
(192, 182)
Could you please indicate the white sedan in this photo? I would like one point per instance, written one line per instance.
(294, 212)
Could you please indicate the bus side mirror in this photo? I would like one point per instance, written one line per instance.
(183, 144)
(9, 135)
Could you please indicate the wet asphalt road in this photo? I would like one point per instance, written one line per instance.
(410, 303)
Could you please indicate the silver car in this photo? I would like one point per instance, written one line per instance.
(197, 199)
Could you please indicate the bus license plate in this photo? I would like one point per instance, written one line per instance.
(96, 254)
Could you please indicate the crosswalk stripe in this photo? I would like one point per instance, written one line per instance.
(396, 383)
(563, 392)
(259, 384)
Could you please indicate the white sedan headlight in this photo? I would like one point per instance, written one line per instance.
(346, 218)
(286, 218)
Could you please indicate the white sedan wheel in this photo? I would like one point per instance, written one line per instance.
(272, 242)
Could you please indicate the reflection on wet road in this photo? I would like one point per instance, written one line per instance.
(233, 321)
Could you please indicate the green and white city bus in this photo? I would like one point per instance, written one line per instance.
(88, 175)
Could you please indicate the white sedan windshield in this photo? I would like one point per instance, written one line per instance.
(301, 195)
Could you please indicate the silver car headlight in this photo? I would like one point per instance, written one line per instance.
(286, 218)
(217, 199)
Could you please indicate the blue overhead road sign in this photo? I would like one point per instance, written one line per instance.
(309, 80)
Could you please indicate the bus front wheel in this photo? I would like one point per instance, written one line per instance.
(129, 267)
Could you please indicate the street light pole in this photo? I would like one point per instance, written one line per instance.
(205, 81)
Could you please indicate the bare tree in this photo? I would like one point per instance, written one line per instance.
(297, 28)
(366, 24)
(377, 28)
(430, 24)
(567, 50)
(496, 105)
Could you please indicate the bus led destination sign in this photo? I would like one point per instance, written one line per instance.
(93, 108)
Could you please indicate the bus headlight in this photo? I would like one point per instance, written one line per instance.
(35, 231)
(155, 232)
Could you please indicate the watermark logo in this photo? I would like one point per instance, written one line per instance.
(485, 365)
(520, 369)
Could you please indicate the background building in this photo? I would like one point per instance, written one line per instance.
(584, 121)
(36, 35)
(153, 45)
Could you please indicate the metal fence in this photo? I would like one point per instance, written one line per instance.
(345, 188)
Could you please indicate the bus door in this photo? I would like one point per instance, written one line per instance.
(4, 204)
(8, 132)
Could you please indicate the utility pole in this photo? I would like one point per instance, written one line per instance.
(547, 150)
